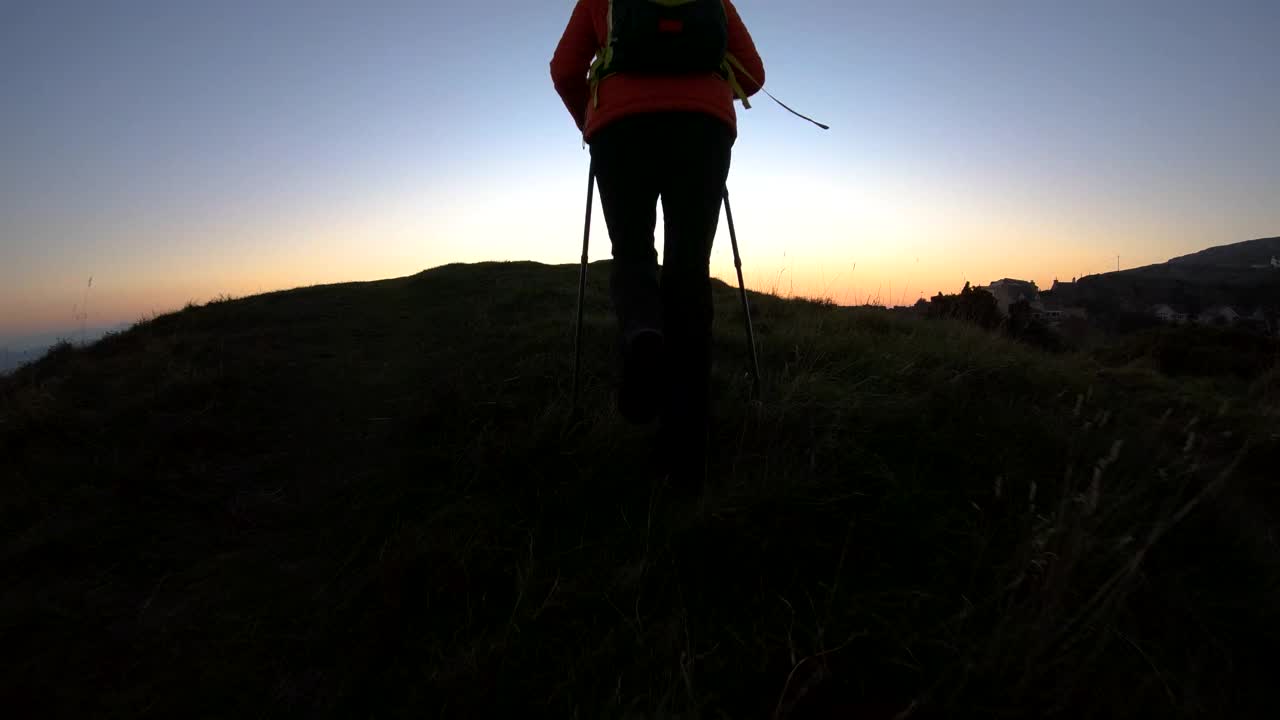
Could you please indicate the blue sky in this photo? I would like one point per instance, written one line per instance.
(177, 150)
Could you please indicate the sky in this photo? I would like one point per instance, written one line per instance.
(176, 150)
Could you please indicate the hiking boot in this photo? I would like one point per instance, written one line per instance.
(639, 396)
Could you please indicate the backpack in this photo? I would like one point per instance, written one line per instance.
(666, 37)
(671, 37)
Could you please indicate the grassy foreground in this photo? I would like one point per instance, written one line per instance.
(363, 501)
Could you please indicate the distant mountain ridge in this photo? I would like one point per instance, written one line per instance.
(21, 350)
(1242, 254)
(1240, 275)
(12, 359)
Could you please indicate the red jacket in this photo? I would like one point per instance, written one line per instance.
(623, 94)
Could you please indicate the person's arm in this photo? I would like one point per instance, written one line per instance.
(742, 47)
(572, 60)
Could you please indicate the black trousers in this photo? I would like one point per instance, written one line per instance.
(682, 158)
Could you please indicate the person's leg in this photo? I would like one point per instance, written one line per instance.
(625, 174)
(692, 192)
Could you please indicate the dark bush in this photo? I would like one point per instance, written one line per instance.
(1197, 351)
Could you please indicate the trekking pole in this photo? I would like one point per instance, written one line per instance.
(746, 309)
(582, 285)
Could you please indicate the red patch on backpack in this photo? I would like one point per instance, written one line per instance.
(670, 26)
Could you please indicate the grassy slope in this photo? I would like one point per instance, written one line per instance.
(362, 500)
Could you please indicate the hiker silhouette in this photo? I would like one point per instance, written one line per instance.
(651, 84)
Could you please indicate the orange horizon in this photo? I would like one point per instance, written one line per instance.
(110, 305)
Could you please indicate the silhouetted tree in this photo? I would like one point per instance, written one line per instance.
(1020, 317)
(1023, 326)
(972, 305)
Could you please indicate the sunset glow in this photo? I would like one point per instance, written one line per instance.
(176, 152)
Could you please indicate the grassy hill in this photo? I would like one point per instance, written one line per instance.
(364, 500)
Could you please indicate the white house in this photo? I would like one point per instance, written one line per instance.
(1054, 312)
(1268, 321)
(1218, 315)
(1167, 314)
(1009, 292)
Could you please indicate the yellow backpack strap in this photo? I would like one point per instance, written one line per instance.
(603, 58)
(731, 64)
(597, 72)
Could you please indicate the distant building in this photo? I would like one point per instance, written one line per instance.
(1009, 292)
(1263, 321)
(1053, 312)
(1170, 315)
(1275, 265)
(1218, 315)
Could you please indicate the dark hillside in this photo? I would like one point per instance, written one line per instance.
(363, 501)
(1239, 255)
(1226, 275)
